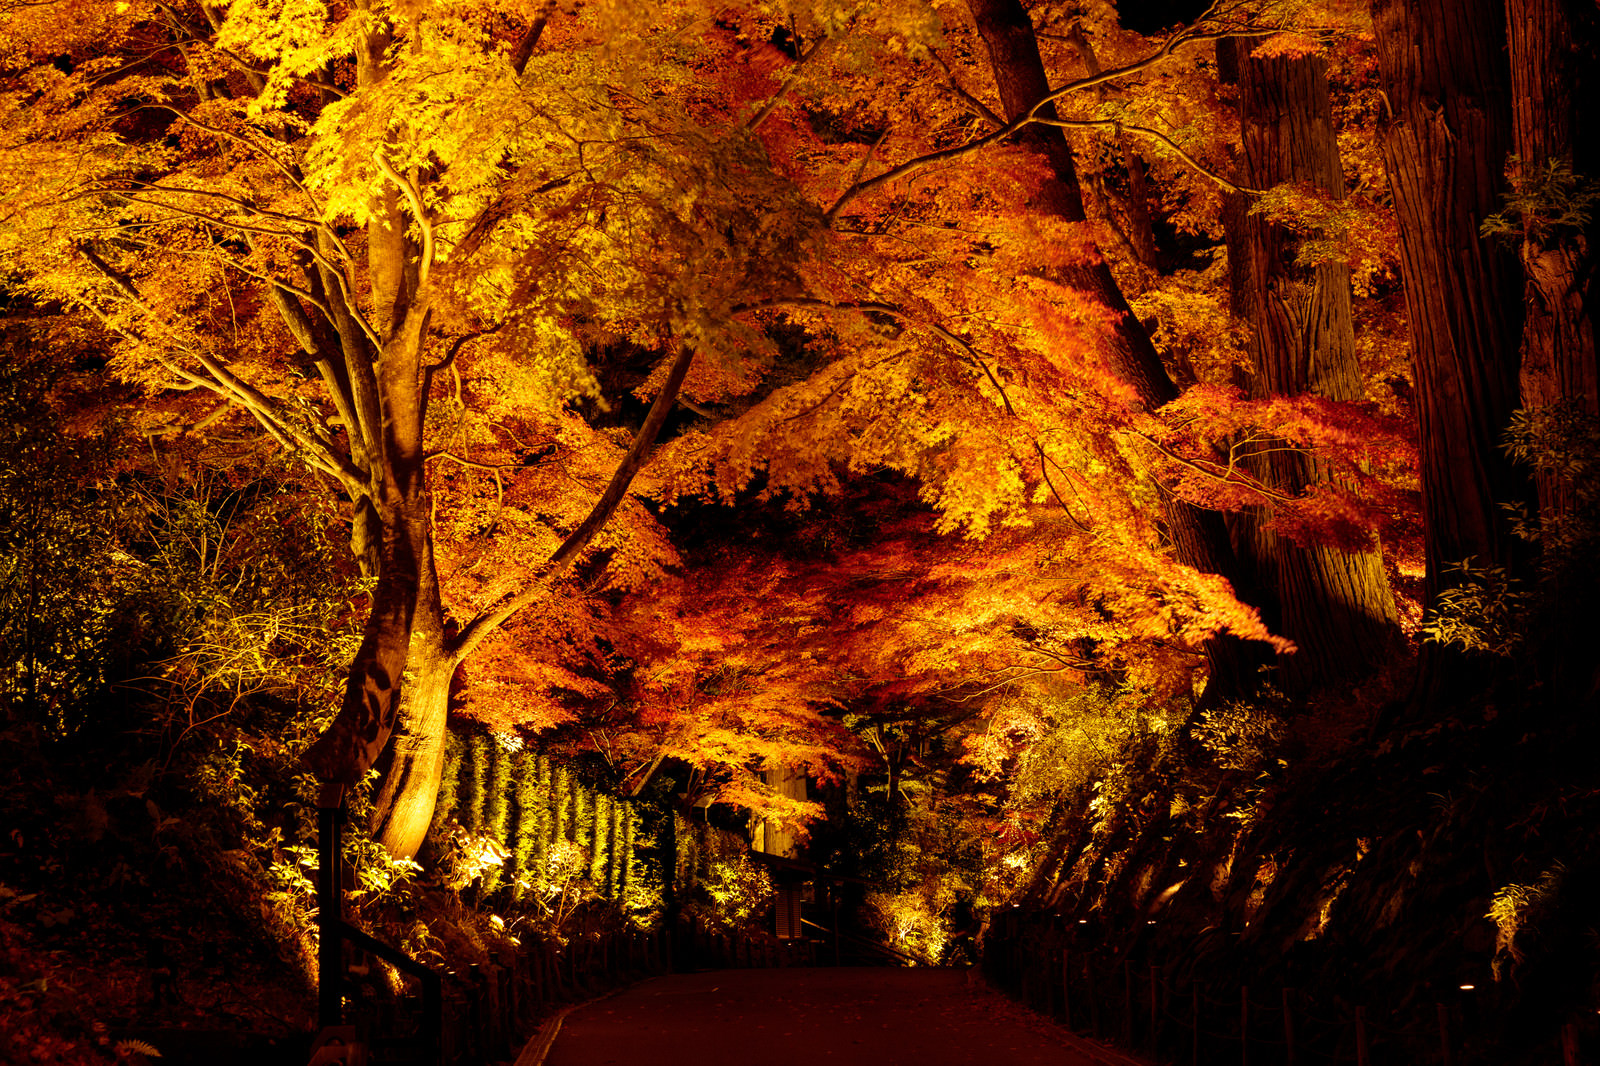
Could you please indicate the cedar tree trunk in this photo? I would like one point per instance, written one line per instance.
(1558, 335)
(1553, 46)
(1334, 604)
(1444, 140)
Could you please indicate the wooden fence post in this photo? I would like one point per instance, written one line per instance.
(1094, 999)
(1363, 1051)
(1155, 1005)
(1244, 1025)
(1127, 1003)
(1066, 985)
(1194, 1022)
(1446, 1053)
(1569, 1045)
(1288, 1026)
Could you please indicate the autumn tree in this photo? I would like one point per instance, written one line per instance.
(386, 236)
(1000, 418)
(411, 243)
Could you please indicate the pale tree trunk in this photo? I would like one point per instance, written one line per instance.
(1199, 536)
(404, 807)
(372, 699)
(1335, 605)
(381, 396)
(1444, 143)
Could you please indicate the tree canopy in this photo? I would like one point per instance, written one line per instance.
(1040, 347)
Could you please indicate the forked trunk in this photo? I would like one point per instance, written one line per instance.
(404, 806)
(371, 704)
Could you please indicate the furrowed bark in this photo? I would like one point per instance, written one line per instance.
(1334, 604)
(1559, 366)
(1444, 143)
(1552, 46)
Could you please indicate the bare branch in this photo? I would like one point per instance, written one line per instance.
(1146, 131)
(1189, 35)
(1228, 475)
(319, 453)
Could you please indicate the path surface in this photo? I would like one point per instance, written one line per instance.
(812, 1017)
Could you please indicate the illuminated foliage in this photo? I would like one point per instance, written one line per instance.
(525, 827)
(717, 876)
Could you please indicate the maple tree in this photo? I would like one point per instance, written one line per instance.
(443, 256)
(1107, 377)
(299, 214)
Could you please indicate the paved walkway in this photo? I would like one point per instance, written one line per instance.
(813, 1017)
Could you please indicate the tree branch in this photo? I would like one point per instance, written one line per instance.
(789, 78)
(1225, 477)
(319, 453)
(530, 39)
(474, 632)
(414, 198)
(1188, 36)
(1146, 131)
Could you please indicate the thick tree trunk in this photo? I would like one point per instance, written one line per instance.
(371, 705)
(372, 695)
(1444, 143)
(1335, 605)
(1552, 46)
(1559, 367)
(1199, 536)
(403, 808)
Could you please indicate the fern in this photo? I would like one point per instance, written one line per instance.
(1543, 201)
(136, 1047)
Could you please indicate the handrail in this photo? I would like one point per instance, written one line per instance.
(333, 932)
(862, 941)
(432, 984)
